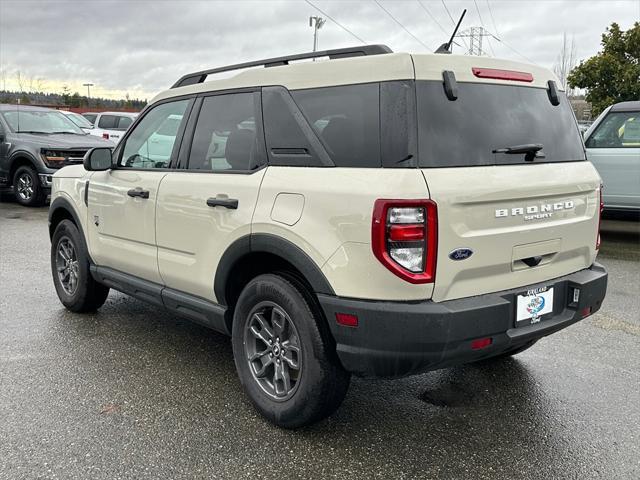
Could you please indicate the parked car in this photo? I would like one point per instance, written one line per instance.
(379, 214)
(34, 143)
(79, 120)
(613, 146)
(110, 125)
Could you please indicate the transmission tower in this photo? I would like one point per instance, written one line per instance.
(475, 35)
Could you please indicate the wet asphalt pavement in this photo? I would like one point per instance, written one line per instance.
(134, 392)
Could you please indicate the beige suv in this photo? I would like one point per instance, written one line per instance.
(375, 213)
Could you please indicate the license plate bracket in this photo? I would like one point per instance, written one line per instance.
(533, 305)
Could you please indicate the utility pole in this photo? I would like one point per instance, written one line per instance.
(475, 35)
(88, 85)
(316, 23)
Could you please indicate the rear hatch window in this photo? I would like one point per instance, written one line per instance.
(488, 117)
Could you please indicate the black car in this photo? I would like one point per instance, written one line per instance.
(34, 143)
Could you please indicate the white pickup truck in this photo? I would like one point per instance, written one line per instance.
(110, 125)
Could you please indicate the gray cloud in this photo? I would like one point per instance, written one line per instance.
(143, 46)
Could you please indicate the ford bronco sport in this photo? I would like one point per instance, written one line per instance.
(376, 213)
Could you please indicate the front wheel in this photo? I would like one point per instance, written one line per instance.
(76, 288)
(283, 354)
(27, 188)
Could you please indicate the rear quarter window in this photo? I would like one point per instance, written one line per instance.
(486, 117)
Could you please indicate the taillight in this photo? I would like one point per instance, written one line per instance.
(600, 215)
(105, 136)
(404, 238)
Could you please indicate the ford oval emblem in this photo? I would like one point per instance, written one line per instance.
(461, 254)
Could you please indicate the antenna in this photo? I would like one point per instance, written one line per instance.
(446, 47)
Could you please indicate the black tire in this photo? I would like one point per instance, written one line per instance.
(27, 188)
(321, 383)
(514, 351)
(85, 295)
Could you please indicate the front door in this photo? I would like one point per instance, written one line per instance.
(205, 207)
(122, 201)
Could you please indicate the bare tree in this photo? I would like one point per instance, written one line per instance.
(565, 62)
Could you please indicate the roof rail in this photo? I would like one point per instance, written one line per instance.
(199, 77)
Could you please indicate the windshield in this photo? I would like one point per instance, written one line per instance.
(79, 120)
(40, 121)
(488, 117)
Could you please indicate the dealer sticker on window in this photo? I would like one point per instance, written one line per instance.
(534, 304)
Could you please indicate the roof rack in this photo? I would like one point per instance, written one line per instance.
(199, 77)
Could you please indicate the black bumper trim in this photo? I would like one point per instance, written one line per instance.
(395, 339)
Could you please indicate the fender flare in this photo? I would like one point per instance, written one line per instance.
(17, 155)
(278, 246)
(61, 203)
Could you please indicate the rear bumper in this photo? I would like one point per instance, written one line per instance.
(395, 339)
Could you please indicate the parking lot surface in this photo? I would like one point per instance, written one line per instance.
(135, 392)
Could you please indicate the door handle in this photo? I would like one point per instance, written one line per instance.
(230, 203)
(138, 192)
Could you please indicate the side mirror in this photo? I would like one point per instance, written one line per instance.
(98, 159)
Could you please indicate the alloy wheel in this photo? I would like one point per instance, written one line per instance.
(67, 265)
(25, 187)
(273, 350)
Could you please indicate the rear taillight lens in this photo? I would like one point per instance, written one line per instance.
(600, 214)
(404, 238)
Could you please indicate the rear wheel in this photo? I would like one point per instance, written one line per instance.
(27, 188)
(76, 288)
(285, 361)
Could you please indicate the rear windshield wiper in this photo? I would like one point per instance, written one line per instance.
(530, 150)
(67, 131)
(32, 131)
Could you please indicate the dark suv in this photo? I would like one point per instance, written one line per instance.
(34, 143)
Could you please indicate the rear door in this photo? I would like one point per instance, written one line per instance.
(614, 149)
(209, 203)
(526, 217)
(122, 201)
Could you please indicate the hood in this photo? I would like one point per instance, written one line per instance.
(62, 141)
(71, 171)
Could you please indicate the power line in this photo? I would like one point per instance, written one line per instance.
(432, 17)
(513, 49)
(495, 29)
(337, 23)
(402, 26)
(445, 7)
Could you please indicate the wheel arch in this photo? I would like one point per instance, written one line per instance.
(19, 159)
(62, 209)
(259, 253)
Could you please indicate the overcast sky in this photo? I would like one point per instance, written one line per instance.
(141, 47)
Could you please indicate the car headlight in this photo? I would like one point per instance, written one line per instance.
(53, 158)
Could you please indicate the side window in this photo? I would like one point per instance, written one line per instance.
(124, 123)
(347, 121)
(617, 130)
(227, 135)
(147, 146)
(90, 116)
(108, 122)
(290, 139)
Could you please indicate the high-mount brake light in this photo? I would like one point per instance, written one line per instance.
(502, 74)
(601, 209)
(404, 237)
